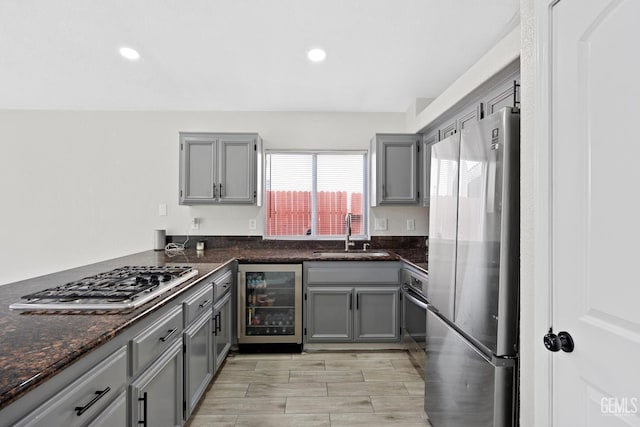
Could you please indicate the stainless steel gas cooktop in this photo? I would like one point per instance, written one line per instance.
(119, 289)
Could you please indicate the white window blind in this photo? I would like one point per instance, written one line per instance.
(309, 194)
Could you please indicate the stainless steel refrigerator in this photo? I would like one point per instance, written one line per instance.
(472, 318)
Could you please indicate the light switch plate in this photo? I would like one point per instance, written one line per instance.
(252, 224)
(162, 209)
(381, 224)
(411, 224)
(195, 223)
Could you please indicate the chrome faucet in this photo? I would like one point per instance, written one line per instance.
(347, 242)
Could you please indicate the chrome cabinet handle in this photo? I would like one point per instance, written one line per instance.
(99, 394)
(166, 337)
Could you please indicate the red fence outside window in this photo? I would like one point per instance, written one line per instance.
(289, 213)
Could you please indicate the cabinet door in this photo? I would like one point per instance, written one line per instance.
(427, 141)
(447, 130)
(237, 183)
(500, 97)
(397, 169)
(329, 314)
(198, 361)
(222, 330)
(377, 314)
(198, 159)
(155, 398)
(468, 116)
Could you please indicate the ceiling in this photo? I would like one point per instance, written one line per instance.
(242, 55)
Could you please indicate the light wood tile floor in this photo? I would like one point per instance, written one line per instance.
(321, 388)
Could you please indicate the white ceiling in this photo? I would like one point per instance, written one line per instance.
(247, 55)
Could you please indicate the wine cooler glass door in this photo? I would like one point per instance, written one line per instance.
(271, 307)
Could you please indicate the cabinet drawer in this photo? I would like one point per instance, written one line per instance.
(198, 303)
(222, 285)
(155, 339)
(115, 415)
(364, 274)
(86, 397)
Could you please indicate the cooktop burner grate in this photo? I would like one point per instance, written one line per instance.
(121, 284)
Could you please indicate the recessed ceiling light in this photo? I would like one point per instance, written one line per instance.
(316, 55)
(129, 53)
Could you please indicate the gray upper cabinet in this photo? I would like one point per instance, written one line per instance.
(448, 129)
(469, 115)
(394, 169)
(428, 140)
(504, 95)
(219, 168)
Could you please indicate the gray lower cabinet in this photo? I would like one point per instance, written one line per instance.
(353, 314)
(329, 314)
(86, 398)
(153, 373)
(394, 169)
(198, 361)
(155, 397)
(352, 301)
(219, 168)
(114, 415)
(223, 329)
(377, 314)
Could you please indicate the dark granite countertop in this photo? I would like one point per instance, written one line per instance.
(285, 256)
(34, 347)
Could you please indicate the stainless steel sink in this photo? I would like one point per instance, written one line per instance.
(351, 254)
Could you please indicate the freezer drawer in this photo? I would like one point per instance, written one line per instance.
(462, 386)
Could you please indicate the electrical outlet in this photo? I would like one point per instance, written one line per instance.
(381, 224)
(411, 224)
(162, 209)
(252, 224)
(195, 223)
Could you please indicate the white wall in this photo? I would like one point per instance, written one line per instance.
(528, 393)
(81, 187)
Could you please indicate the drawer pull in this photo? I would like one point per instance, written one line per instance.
(205, 303)
(166, 337)
(143, 399)
(99, 394)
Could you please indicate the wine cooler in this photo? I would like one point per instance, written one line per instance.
(269, 304)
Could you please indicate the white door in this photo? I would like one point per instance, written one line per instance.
(594, 161)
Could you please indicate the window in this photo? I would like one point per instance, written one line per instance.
(308, 194)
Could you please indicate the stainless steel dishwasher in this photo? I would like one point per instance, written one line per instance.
(414, 315)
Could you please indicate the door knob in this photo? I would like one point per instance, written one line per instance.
(563, 341)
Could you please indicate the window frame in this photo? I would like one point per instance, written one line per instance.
(314, 195)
